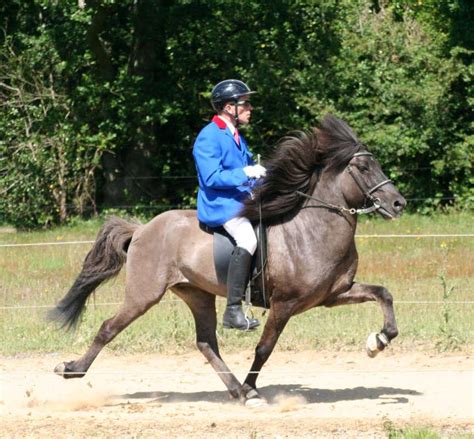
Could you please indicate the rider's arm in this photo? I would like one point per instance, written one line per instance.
(208, 157)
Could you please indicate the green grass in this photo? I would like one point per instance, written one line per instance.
(393, 432)
(32, 278)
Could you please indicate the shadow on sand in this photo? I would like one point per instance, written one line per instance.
(387, 395)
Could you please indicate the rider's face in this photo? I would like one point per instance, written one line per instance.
(244, 109)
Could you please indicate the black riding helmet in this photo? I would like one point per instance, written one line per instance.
(229, 90)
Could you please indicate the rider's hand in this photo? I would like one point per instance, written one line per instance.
(255, 171)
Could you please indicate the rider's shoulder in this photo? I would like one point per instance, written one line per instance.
(210, 130)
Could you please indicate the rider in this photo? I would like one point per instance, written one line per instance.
(226, 173)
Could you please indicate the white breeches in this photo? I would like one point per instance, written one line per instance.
(241, 230)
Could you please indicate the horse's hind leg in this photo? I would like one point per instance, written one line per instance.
(360, 293)
(203, 308)
(136, 304)
(280, 313)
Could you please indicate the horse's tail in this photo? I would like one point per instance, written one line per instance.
(103, 262)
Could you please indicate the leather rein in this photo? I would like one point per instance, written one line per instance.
(363, 188)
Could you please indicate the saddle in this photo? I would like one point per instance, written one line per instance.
(223, 246)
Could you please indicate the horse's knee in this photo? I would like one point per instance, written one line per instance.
(203, 346)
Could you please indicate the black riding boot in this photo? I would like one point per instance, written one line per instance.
(236, 282)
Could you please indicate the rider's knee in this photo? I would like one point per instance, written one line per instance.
(249, 244)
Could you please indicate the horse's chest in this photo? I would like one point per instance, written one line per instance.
(311, 270)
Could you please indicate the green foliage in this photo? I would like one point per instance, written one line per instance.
(408, 433)
(399, 91)
(101, 103)
(48, 155)
(450, 340)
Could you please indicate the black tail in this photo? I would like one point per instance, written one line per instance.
(103, 262)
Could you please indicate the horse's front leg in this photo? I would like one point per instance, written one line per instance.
(360, 293)
(277, 319)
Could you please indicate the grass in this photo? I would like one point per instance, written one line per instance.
(436, 270)
(392, 432)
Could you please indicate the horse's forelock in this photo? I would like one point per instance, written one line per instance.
(337, 142)
(337, 129)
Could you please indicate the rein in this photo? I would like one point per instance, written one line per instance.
(363, 188)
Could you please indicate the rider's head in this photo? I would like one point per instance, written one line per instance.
(231, 98)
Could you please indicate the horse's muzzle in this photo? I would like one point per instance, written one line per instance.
(394, 208)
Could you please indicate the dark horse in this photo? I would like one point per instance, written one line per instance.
(317, 184)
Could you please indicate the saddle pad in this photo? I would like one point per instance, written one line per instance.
(223, 246)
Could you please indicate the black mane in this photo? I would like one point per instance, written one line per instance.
(295, 165)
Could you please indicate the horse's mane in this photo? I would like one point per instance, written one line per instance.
(295, 165)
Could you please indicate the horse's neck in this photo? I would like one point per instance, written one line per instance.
(328, 192)
(319, 225)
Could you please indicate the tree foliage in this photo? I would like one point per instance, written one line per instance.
(101, 100)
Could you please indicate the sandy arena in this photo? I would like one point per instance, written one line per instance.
(311, 395)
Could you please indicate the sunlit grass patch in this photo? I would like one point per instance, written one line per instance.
(422, 432)
(33, 278)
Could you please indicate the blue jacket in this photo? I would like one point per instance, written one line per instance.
(223, 185)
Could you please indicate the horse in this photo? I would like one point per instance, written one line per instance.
(318, 182)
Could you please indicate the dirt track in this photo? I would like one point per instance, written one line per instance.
(311, 394)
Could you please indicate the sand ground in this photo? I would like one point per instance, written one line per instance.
(311, 394)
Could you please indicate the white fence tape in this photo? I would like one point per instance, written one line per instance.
(269, 371)
(452, 235)
(448, 235)
(45, 244)
(396, 302)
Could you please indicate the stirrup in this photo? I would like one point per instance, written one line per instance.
(248, 314)
(241, 328)
(234, 314)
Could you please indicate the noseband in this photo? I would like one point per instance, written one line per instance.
(361, 185)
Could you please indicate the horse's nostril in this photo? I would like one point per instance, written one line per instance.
(399, 204)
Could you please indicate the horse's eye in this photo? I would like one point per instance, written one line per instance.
(363, 168)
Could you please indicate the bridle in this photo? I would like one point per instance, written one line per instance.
(367, 192)
(362, 186)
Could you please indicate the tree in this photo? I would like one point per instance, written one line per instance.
(102, 99)
(48, 157)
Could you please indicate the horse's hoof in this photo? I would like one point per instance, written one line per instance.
(376, 343)
(252, 399)
(60, 369)
(255, 403)
(372, 346)
(63, 370)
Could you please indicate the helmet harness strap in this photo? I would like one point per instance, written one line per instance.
(234, 116)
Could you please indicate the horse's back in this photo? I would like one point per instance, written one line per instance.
(166, 227)
(173, 243)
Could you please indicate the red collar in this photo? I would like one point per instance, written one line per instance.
(219, 122)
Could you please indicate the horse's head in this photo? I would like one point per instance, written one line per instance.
(364, 185)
